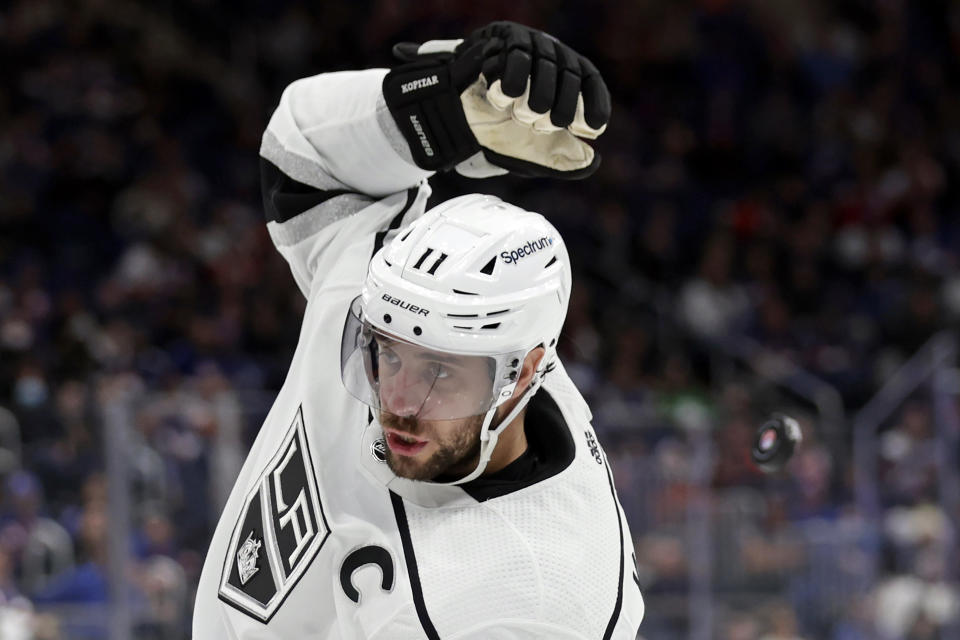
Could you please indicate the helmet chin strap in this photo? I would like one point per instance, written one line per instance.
(489, 437)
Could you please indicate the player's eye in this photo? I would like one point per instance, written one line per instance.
(389, 360)
(438, 371)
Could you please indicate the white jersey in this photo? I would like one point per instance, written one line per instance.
(319, 540)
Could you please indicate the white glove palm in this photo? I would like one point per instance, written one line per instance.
(509, 127)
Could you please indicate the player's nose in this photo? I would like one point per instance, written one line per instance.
(400, 395)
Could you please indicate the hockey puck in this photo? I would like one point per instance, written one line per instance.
(775, 441)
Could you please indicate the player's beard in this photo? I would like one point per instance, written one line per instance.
(455, 456)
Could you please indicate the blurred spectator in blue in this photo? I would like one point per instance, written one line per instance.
(87, 582)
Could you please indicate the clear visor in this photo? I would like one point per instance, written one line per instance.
(407, 380)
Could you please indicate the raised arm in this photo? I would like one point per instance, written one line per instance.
(330, 151)
(333, 132)
(506, 99)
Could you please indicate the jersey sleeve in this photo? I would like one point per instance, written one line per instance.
(331, 152)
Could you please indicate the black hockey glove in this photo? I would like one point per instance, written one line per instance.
(508, 98)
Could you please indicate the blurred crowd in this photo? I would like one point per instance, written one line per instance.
(779, 173)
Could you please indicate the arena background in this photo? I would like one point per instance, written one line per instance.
(773, 228)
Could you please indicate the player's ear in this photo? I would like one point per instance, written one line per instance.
(530, 364)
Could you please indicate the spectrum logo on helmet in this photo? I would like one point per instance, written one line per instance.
(511, 257)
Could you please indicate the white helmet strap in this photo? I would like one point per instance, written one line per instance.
(489, 437)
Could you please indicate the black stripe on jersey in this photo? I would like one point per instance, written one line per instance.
(401, 515)
(285, 198)
(616, 609)
(395, 223)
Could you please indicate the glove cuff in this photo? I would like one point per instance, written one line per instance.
(426, 107)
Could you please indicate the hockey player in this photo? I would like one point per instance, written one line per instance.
(428, 470)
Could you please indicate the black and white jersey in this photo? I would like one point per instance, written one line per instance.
(319, 540)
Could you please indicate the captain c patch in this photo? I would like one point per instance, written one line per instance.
(280, 530)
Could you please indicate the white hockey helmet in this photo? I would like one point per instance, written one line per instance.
(475, 280)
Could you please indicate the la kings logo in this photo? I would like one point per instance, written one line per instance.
(280, 530)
